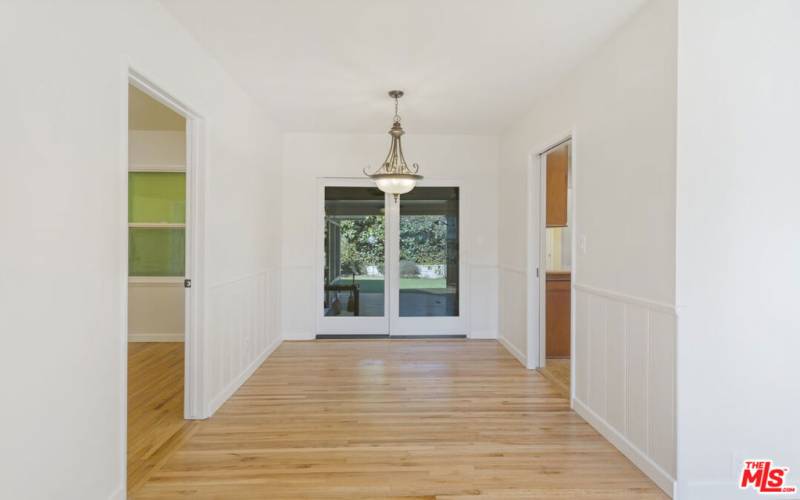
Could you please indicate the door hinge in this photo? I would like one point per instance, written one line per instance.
(537, 272)
(187, 283)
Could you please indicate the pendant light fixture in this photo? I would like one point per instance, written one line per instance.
(394, 176)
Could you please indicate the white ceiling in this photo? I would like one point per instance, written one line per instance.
(467, 66)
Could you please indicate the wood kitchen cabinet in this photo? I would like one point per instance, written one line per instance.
(557, 314)
(557, 184)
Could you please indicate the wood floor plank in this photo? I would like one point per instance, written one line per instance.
(425, 419)
(556, 370)
(155, 407)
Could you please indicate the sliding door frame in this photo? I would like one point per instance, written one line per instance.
(408, 326)
(391, 324)
(536, 252)
(367, 326)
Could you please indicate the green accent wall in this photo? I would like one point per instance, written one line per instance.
(156, 197)
(156, 251)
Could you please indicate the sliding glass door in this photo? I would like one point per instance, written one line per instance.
(390, 267)
(426, 271)
(354, 287)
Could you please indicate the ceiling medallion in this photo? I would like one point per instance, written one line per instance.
(394, 176)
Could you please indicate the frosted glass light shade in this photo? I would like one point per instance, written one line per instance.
(396, 184)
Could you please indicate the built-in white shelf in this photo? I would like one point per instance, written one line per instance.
(154, 225)
(139, 167)
(155, 280)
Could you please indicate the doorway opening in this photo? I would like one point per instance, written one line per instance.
(160, 355)
(390, 268)
(556, 261)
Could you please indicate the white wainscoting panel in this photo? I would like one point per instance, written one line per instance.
(243, 330)
(512, 332)
(298, 310)
(625, 376)
(482, 301)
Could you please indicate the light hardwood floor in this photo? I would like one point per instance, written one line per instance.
(556, 370)
(155, 407)
(396, 419)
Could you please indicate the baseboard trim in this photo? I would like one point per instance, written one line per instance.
(513, 350)
(355, 336)
(351, 336)
(421, 337)
(236, 383)
(155, 337)
(654, 471)
(483, 334)
(297, 336)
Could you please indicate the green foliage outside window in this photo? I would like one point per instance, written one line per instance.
(362, 241)
(423, 241)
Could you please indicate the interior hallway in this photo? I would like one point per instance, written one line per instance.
(398, 418)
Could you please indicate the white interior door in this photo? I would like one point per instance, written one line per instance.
(426, 271)
(352, 289)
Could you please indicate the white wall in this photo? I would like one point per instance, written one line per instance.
(156, 310)
(62, 185)
(149, 149)
(738, 242)
(620, 104)
(307, 157)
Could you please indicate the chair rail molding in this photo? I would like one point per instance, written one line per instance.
(629, 299)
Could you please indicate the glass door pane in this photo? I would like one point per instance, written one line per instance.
(390, 268)
(429, 275)
(427, 295)
(354, 243)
